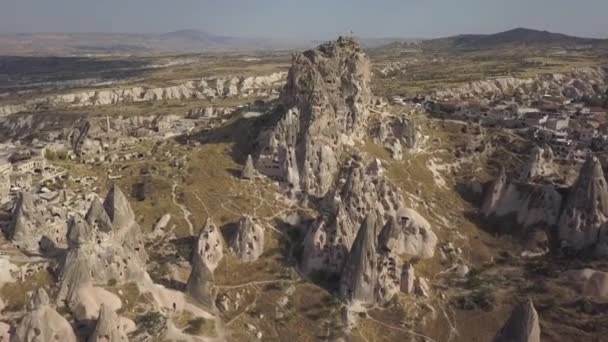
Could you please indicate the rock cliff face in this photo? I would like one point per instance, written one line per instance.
(209, 247)
(522, 326)
(358, 280)
(529, 204)
(582, 224)
(576, 84)
(248, 244)
(43, 323)
(206, 88)
(325, 105)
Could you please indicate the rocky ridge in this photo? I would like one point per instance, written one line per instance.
(580, 82)
(205, 88)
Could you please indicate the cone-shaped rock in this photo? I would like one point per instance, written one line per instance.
(200, 285)
(248, 170)
(98, 256)
(27, 226)
(522, 326)
(325, 104)
(97, 217)
(209, 245)
(586, 208)
(358, 280)
(108, 327)
(79, 232)
(248, 244)
(118, 208)
(43, 323)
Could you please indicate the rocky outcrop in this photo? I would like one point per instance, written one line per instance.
(42, 322)
(124, 226)
(106, 246)
(408, 276)
(362, 189)
(539, 166)
(582, 223)
(206, 88)
(388, 282)
(200, 285)
(328, 242)
(108, 327)
(522, 325)
(323, 106)
(590, 283)
(358, 280)
(33, 220)
(408, 234)
(395, 133)
(528, 204)
(209, 246)
(580, 82)
(248, 243)
(248, 170)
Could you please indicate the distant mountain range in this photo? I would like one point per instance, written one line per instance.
(519, 37)
(195, 41)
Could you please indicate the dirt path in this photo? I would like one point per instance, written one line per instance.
(183, 208)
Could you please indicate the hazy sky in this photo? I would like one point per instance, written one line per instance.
(306, 18)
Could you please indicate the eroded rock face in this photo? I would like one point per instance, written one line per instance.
(200, 285)
(328, 242)
(31, 222)
(108, 328)
(358, 280)
(248, 170)
(103, 247)
(539, 165)
(408, 234)
(389, 277)
(43, 323)
(523, 325)
(325, 104)
(209, 246)
(361, 190)
(248, 244)
(583, 219)
(395, 133)
(529, 204)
